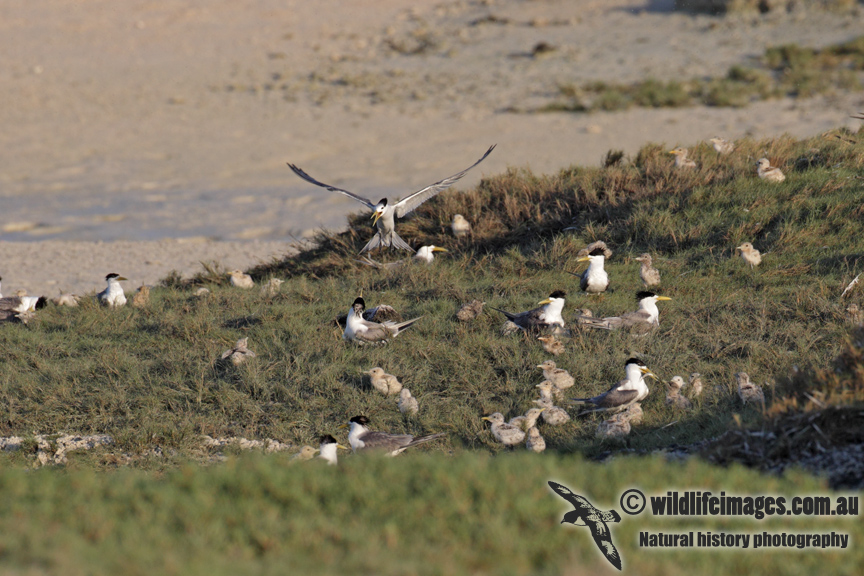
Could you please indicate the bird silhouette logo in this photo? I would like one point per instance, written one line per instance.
(585, 514)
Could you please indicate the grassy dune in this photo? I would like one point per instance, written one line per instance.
(151, 378)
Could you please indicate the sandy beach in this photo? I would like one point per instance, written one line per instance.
(147, 136)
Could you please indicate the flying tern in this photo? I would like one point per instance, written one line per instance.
(384, 213)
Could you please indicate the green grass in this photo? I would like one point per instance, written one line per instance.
(151, 378)
(788, 70)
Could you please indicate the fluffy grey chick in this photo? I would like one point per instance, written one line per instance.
(673, 394)
(695, 384)
(239, 353)
(535, 441)
(241, 280)
(460, 226)
(470, 311)
(529, 420)
(407, 403)
(506, 434)
(385, 383)
(748, 391)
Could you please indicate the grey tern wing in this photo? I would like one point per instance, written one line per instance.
(603, 538)
(375, 332)
(382, 441)
(299, 172)
(410, 203)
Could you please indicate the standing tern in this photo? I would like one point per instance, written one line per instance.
(626, 392)
(594, 280)
(650, 276)
(384, 213)
(647, 315)
(365, 332)
(547, 314)
(113, 295)
(361, 438)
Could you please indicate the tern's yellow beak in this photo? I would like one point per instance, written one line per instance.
(342, 426)
(546, 301)
(486, 418)
(342, 447)
(663, 298)
(583, 259)
(376, 216)
(437, 249)
(120, 278)
(673, 152)
(541, 409)
(648, 372)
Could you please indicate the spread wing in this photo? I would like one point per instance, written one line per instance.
(578, 502)
(410, 203)
(365, 201)
(383, 441)
(603, 538)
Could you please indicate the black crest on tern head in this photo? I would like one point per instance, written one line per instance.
(597, 252)
(383, 202)
(558, 294)
(362, 420)
(112, 275)
(635, 361)
(359, 301)
(644, 294)
(327, 439)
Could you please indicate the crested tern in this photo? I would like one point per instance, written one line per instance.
(20, 308)
(722, 145)
(750, 254)
(695, 384)
(241, 280)
(681, 160)
(380, 313)
(552, 345)
(650, 276)
(407, 403)
(546, 315)
(239, 352)
(113, 295)
(748, 391)
(470, 311)
(621, 395)
(767, 172)
(362, 439)
(507, 434)
(552, 415)
(648, 315)
(528, 420)
(460, 226)
(141, 297)
(594, 280)
(558, 376)
(385, 383)
(673, 394)
(535, 441)
(384, 213)
(366, 332)
(328, 448)
(426, 253)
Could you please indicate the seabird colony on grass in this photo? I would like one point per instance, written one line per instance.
(385, 212)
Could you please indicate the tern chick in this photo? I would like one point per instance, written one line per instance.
(721, 145)
(239, 353)
(271, 288)
(407, 403)
(529, 420)
(470, 311)
(113, 295)
(241, 280)
(767, 172)
(673, 394)
(558, 376)
(617, 426)
(306, 453)
(535, 441)
(552, 415)
(460, 226)
(748, 391)
(507, 434)
(141, 297)
(681, 160)
(750, 254)
(552, 345)
(650, 276)
(695, 384)
(67, 299)
(385, 383)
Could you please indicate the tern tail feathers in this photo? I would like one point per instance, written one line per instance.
(428, 438)
(394, 241)
(507, 314)
(402, 325)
